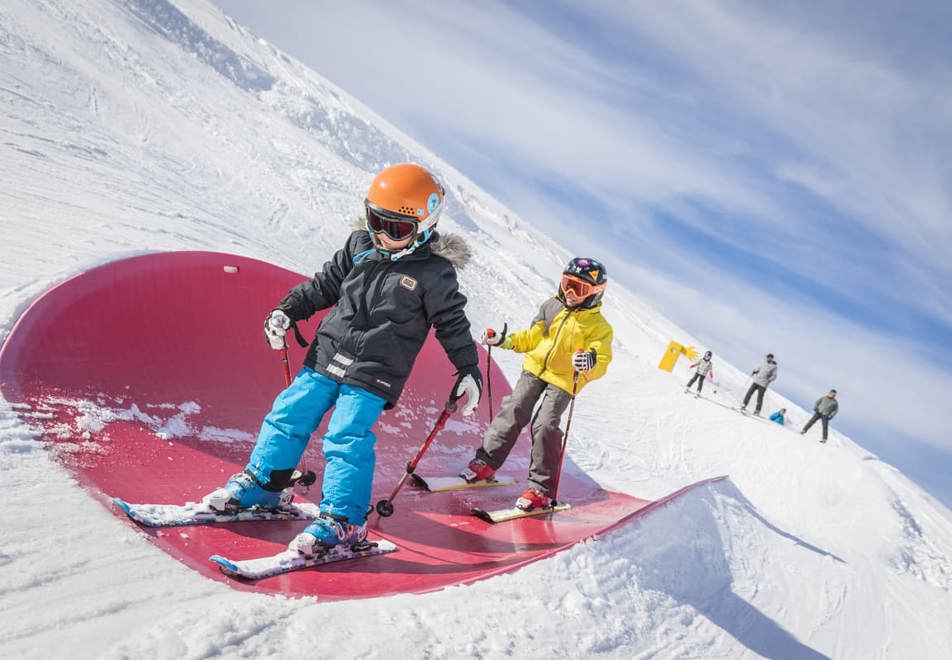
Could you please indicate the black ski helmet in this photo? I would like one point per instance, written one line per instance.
(588, 270)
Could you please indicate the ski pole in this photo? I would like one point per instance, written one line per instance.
(284, 351)
(565, 438)
(489, 382)
(284, 363)
(385, 507)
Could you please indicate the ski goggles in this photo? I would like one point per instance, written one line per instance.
(394, 225)
(578, 287)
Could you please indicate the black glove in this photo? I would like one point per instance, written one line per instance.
(469, 385)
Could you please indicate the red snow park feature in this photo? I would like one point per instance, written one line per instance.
(149, 378)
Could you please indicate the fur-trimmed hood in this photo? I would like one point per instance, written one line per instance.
(451, 247)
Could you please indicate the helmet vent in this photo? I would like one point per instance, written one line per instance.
(406, 210)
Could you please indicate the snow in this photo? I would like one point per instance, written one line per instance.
(134, 126)
(93, 418)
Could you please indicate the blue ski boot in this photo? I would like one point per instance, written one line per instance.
(242, 491)
(328, 532)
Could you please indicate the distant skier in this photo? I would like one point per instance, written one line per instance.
(704, 368)
(824, 410)
(569, 335)
(762, 377)
(779, 416)
(393, 279)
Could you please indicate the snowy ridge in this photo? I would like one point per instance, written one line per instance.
(136, 125)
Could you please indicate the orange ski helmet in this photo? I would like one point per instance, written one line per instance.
(404, 200)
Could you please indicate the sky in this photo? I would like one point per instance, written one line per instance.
(772, 177)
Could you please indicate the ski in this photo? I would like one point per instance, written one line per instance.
(291, 560)
(441, 484)
(747, 413)
(504, 515)
(196, 513)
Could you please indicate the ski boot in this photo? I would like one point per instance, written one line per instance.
(477, 470)
(532, 499)
(327, 532)
(242, 491)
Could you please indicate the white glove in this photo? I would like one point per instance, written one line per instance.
(275, 327)
(469, 390)
(491, 337)
(583, 361)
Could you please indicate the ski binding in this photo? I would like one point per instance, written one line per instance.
(456, 482)
(503, 515)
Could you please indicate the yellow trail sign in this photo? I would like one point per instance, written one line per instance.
(673, 352)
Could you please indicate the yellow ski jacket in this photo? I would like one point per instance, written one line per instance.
(555, 335)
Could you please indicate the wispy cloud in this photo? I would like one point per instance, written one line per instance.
(785, 175)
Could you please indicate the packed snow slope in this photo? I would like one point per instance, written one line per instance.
(142, 125)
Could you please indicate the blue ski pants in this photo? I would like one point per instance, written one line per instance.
(348, 444)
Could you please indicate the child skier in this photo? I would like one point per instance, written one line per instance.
(392, 281)
(704, 367)
(568, 336)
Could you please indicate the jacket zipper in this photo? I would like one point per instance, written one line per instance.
(367, 307)
(555, 340)
(377, 288)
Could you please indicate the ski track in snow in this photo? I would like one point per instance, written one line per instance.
(128, 127)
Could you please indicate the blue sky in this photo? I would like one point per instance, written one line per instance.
(772, 176)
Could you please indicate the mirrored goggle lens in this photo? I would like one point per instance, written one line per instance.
(392, 227)
(576, 286)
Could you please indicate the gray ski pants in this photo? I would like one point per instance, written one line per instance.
(813, 420)
(700, 382)
(514, 413)
(760, 390)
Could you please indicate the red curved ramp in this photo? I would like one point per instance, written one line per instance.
(149, 377)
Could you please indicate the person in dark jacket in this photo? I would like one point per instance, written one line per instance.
(393, 279)
(762, 377)
(824, 410)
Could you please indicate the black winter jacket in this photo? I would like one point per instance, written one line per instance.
(383, 311)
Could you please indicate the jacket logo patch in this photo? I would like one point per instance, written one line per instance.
(408, 282)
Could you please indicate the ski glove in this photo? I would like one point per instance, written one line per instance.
(492, 338)
(584, 360)
(275, 327)
(496, 338)
(469, 388)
